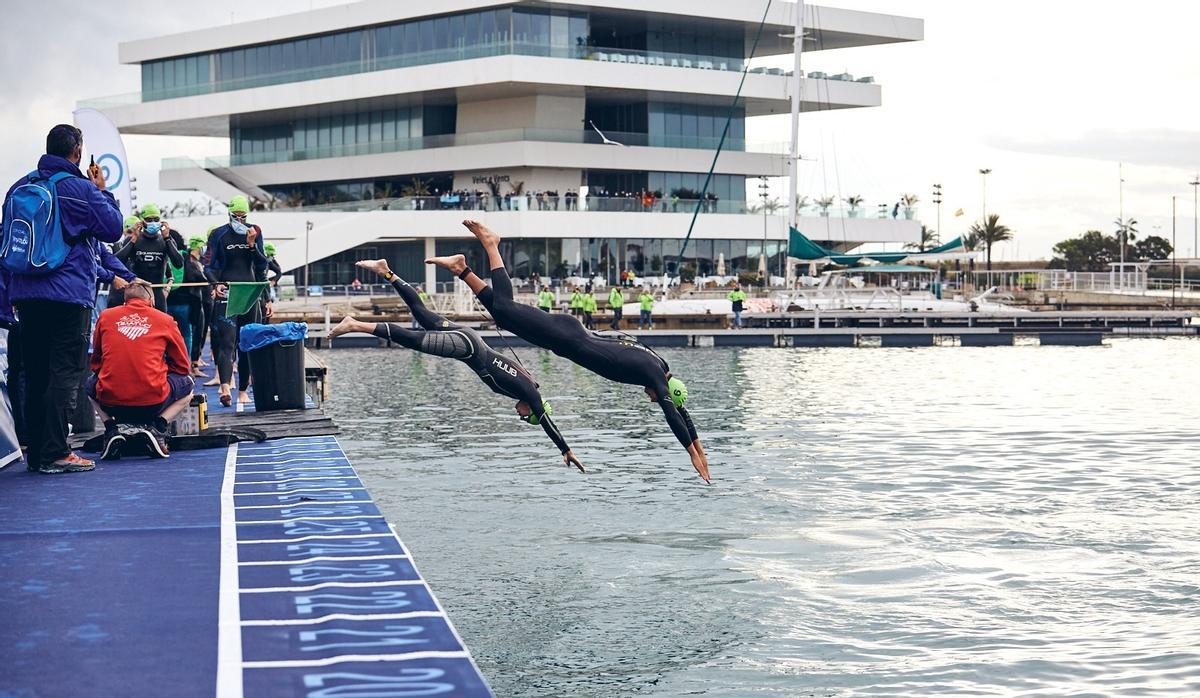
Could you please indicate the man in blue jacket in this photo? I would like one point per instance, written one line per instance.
(55, 309)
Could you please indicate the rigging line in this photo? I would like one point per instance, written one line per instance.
(721, 143)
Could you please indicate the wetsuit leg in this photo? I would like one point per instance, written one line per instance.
(409, 339)
(423, 315)
(254, 315)
(198, 328)
(556, 332)
(224, 342)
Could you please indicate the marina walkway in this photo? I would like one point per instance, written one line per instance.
(260, 569)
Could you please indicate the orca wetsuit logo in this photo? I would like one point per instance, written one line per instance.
(134, 326)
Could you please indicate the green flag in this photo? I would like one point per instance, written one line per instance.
(243, 296)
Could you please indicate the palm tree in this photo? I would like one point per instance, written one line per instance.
(929, 238)
(990, 233)
(767, 206)
(854, 201)
(417, 187)
(802, 202)
(908, 201)
(1126, 231)
(824, 203)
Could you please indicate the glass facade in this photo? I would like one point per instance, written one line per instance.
(322, 193)
(536, 31)
(671, 125)
(598, 35)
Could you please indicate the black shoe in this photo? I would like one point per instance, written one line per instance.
(113, 441)
(156, 442)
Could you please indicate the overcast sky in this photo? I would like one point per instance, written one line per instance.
(1050, 95)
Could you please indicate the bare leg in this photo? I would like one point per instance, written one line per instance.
(457, 264)
(348, 325)
(176, 407)
(490, 241)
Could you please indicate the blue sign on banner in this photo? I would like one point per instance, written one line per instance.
(10, 449)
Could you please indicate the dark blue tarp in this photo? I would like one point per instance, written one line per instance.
(256, 336)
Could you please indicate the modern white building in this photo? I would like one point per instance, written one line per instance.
(367, 128)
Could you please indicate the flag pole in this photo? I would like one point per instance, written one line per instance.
(793, 147)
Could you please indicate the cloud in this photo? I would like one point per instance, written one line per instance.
(1155, 147)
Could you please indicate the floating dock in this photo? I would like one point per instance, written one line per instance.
(257, 569)
(849, 328)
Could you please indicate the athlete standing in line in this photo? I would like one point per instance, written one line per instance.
(146, 254)
(235, 253)
(440, 337)
(619, 359)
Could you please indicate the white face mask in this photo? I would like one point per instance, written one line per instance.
(238, 227)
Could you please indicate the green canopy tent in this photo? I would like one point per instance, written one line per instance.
(800, 247)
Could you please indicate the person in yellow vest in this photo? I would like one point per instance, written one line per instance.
(576, 304)
(546, 299)
(647, 303)
(616, 303)
(589, 307)
(737, 297)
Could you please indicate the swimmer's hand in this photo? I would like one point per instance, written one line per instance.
(699, 462)
(570, 459)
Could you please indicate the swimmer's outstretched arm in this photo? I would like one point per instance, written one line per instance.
(551, 430)
(685, 432)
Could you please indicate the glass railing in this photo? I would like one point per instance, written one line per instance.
(483, 137)
(539, 202)
(604, 55)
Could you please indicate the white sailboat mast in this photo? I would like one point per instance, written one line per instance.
(794, 147)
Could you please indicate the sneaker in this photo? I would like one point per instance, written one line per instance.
(113, 441)
(71, 463)
(156, 442)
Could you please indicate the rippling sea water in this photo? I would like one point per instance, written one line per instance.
(1000, 521)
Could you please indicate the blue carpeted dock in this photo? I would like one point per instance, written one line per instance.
(261, 569)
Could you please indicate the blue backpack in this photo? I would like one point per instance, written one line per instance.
(33, 243)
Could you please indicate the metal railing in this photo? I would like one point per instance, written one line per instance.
(479, 138)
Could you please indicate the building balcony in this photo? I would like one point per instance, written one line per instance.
(496, 72)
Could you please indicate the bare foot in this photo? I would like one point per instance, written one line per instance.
(215, 381)
(243, 397)
(347, 325)
(379, 266)
(455, 264)
(484, 234)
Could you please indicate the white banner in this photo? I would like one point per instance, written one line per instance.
(102, 141)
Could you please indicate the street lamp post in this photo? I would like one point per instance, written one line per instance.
(1195, 214)
(764, 190)
(308, 226)
(937, 199)
(985, 171)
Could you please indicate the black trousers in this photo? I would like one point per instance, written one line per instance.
(56, 336)
(225, 331)
(201, 314)
(616, 318)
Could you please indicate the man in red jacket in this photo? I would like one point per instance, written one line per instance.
(142, 373)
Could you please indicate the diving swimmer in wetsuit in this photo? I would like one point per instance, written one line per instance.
(440, 337)
(619, 359)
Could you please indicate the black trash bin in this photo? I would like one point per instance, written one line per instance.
(276, 365)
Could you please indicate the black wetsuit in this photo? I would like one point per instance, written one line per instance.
(444, 338)
(147, 259)
(232, 258)
(619, 359)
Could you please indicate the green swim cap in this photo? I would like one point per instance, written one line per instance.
(130, 221)
(196, 242)
(678, 391)
(269, 248)
(238, 204)
(150, 210)
(533, 418)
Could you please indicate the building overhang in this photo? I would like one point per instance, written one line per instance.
(490, 78)
(485, 157)
(827, 27)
